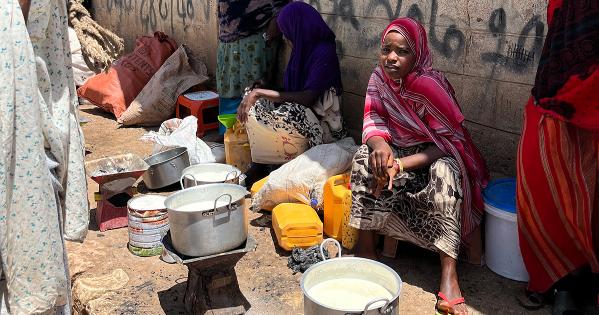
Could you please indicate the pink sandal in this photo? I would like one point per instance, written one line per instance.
(451, 303)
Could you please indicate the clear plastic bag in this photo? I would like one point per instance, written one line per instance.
(181, 133)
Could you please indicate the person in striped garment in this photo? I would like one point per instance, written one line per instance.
(418, 177)
(558, 164)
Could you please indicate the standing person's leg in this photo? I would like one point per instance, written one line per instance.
(227, 79)
(555, 202)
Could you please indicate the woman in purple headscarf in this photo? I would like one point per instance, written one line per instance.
(283, 124)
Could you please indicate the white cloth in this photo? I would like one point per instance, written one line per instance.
(43, 189)
(81, 71)
(328, 109)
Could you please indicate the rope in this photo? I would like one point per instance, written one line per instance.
(100, 47)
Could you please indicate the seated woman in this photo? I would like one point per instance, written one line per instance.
(283, 124)
(419, 177)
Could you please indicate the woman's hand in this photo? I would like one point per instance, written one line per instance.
(381, 159)
(392, 172)
(248, 101)
(379, 184)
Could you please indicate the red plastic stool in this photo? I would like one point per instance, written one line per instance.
(203, 105)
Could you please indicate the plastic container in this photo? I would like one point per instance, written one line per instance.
(237, 148)
(203, 105)
(296, 225)
(258, 185)
(227, 106)
(334, 190)
(350, 234)
(501, 230)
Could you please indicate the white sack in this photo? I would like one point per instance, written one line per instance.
(303, 178)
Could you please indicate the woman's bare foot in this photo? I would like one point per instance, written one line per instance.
(366, 245)
(450, 288)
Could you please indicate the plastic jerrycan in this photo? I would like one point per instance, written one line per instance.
(296, 225)
(350, 234)
(334, 191)
(237, 148)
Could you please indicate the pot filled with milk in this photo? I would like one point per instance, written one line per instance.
(209, 173)
(207, 219)
(350, 285)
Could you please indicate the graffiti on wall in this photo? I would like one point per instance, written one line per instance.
(518, 55)
(171, 14)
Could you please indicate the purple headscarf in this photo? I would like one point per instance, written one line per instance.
(313, 64)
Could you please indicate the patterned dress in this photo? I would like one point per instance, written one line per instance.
(280, 133)
(241, 63)
(243, 55)
(43, 190)
(423, 207)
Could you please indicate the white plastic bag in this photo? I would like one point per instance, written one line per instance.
(180, 133)
(303, 178)
(218, 150)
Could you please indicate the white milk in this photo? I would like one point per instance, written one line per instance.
(203, 205)
(147, 202)
(348, 293)
(210, 177)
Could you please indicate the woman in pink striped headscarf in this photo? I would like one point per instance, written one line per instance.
(418, 177)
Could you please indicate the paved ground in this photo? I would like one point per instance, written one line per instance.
(154, 287)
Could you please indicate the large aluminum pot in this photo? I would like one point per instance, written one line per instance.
(209, 173)
(165, 167)
(207, 219)
(338, 276)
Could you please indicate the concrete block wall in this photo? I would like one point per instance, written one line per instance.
(488, 49)
(190, 22)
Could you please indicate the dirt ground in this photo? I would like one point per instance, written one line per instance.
(155, 287)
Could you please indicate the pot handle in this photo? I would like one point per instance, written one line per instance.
(230, 201)
(231, 172)
(326, 241)
(382, 310)
(187, 175)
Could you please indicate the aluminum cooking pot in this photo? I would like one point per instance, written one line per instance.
(208, 219)
(349, 269)
(209, 173)
(165, 167)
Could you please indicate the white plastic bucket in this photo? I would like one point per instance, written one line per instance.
(502, 249)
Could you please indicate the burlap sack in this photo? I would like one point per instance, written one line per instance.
(115, 89)
(156, 102)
